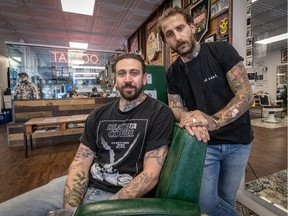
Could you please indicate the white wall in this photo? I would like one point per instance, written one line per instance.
(239, 26)
(3, 77)
(3, 71)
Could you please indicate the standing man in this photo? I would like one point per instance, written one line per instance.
(210, 94)
(122, 150)
(25, 90)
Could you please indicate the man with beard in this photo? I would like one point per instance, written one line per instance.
(210, 94)
(122, 149)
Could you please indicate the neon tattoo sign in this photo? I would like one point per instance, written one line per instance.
(64, 57)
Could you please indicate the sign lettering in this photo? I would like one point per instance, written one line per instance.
(64, 57)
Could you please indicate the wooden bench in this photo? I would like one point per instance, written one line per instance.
(52, 126)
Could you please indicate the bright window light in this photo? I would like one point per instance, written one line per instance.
(74, 74)
(85, 7)
(78, 45)
(273, 39)
(17, 59)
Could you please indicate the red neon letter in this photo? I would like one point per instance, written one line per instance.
(96, 59)
(55, 55)
(62, 57)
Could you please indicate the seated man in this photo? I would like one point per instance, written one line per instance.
(122, 150)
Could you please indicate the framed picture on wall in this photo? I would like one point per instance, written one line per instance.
(218, 7)
(133, 43)
(200, 14)
(284, 57)
(210, 38)
(185, 3)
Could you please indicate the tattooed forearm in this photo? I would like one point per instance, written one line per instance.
(78, 177)
(244, 97)
(81, 154)
(74, 194)
(159, 155)
(175, 103)
(136, 188)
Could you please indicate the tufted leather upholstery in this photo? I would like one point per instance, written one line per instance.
(178, 188)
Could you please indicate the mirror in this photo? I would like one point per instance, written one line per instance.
(281, 76)
(268, 160)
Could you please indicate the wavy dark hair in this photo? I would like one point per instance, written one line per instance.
(129, 56)
(171, 12)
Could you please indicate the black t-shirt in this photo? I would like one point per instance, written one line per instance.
(121, 139)
(202, 84)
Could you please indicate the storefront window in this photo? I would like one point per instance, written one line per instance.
(54, 72)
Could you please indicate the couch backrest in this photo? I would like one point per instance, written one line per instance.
(182, 172)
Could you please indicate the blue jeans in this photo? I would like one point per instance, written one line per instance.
(49, 197)
(223, 170)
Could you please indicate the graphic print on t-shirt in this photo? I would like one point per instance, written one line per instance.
(120, 145)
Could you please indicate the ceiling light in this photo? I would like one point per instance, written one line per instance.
(85, 73)
(85, 7)
(89, 67)
(18, 59)
(78, 45)
(273, 39)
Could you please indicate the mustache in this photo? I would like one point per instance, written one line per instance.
(129, 85)
(179, 43)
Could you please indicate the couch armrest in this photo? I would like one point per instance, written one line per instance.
(140, 206)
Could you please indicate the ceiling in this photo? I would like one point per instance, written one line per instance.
(44, 22)
(269, 18)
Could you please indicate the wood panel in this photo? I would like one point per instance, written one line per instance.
(23, 116)
(25, 110)
(78, 107)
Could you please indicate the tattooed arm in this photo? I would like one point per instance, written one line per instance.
(148, 178)
(239, 83)
(176, 104)
(78, 177)
(239, 104)
(185, 118)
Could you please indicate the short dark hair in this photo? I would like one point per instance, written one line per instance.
(129, 56)
(171, 12)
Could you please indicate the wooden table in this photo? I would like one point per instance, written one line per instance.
(60, 123)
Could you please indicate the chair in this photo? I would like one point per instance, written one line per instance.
(178, 188)
(267, 106)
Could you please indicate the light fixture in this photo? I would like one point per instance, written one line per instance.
(85, 73)
(85, 7)
(89, 67)
(17, 59)
(273, 39)
(78, 45)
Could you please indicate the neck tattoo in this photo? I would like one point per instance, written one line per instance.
(193, 54)
(125, 106)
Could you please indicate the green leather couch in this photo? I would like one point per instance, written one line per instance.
(177, 192)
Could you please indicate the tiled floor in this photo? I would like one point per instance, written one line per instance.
(272, 188)
(258, 122)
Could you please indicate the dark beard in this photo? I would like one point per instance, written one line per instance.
(189, 51)
(130, 97)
